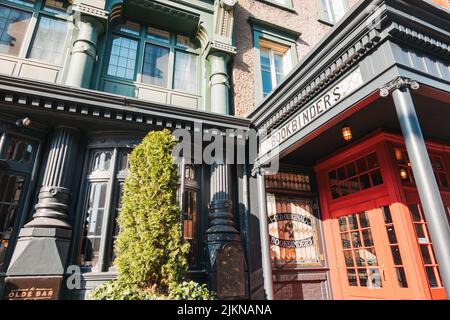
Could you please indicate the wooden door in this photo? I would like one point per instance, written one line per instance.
(369, 256)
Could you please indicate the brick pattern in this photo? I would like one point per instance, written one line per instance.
(304, 20)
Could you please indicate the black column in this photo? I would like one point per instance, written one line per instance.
(39, 260)
(226, 264)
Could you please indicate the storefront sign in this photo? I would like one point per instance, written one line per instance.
(313, 111)
(32, 288)
(293, 232)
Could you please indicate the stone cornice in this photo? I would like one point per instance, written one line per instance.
(95, 104)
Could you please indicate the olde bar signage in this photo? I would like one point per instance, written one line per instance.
(313, 111)
(32, 288)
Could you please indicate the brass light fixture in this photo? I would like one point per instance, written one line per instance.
(403, 174)
(347, 133)
(24, 122)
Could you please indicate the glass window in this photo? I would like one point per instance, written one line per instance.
(333, 10)
(122, 62)
(156, 64)
(361, 174)
(55, 6)
(13, 27)
(273, 66)
(169, 60)
(107, 171)
(49, 42)
(19, 154)
(157, 34)
(185, 70)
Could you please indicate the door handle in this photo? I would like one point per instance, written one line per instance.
(383, 273)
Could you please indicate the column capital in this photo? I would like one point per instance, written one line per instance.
(398, 83)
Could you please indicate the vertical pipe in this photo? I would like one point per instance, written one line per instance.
(264, 231)
(426, 183)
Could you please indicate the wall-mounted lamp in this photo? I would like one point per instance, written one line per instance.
(347, 133)
(24, 122)
(403, 174)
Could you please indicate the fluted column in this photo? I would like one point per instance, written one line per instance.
(54, 196)
(40, 256)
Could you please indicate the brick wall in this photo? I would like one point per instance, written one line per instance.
(304, 20)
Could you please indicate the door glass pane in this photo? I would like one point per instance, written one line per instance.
(185, 77)
(94, 220)
(101, 161)
(365, 257)
(122, 61)
(49, 43)
(13, 27)
(156, 64)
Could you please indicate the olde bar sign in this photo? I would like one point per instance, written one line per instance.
(32, 288)
(313, 111)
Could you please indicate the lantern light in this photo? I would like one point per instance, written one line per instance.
(403, 174)
(347, 133)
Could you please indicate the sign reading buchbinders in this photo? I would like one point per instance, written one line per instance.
(313, 111)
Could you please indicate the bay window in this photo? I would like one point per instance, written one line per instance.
(153, 56)
(34, 29)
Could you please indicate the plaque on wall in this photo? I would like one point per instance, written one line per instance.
(230, 272)
(32, 288)
(294, 232)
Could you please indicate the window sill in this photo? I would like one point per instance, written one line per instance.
(280, 6)
(326, 22)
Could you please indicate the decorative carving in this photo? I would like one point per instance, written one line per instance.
(82, 46)
(398, 83)
(89, 10)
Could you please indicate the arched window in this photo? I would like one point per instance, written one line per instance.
(34, 29)
(155, 57)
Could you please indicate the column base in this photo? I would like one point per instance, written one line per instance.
(38, 264)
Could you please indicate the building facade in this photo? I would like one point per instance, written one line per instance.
(348, 99)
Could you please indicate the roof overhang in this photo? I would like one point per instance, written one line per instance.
(162, 15)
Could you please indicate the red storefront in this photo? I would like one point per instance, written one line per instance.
(359, 137)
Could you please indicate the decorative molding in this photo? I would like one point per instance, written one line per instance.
(398, 83)
(83, 46)
(413, 36)
(345, 62)
(90, 10)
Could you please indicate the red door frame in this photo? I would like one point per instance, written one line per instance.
(391, 193)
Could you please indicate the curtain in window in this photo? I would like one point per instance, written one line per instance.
(156, 64)
(49, 42)
(13, 26)
(185, 77)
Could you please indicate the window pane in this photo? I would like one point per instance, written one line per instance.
(122, 61)
(156, 63)
(49, 42)
(28, 3)
(278, 67)
(130, 27)
(185, 77)
(265, 70)
(186, 42)
(13, 26)
(158, 34)
(56, 6)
